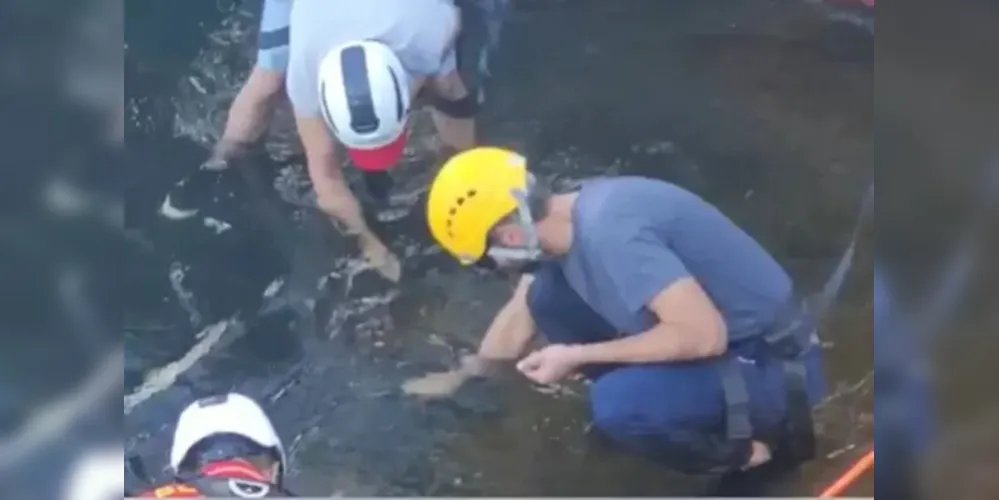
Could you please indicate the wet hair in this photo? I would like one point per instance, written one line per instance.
(539, 191)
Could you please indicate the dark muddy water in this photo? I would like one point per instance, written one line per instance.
(764, 108)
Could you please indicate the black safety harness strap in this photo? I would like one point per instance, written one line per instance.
(796, 326)
(798, 441)
(737, 424)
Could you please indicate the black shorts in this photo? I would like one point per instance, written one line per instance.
(481, 22)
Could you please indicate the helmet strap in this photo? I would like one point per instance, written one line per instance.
(531, 250)
(526, 220)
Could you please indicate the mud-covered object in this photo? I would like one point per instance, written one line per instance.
(675, 413)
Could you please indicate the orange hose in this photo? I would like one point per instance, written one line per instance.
(850, 476)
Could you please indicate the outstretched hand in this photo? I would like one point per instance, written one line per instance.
(445, 384)
(435, 385)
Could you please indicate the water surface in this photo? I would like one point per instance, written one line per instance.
(764, 108)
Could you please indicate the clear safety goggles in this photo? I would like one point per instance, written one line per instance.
(516, 258)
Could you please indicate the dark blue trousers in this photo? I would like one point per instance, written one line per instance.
(650, 407)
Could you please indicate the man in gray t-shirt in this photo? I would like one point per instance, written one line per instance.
(645, 288)
(419, 39)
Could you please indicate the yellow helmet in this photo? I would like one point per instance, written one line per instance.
(472, 192)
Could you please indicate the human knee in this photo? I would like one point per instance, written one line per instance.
(674, 415)
(461, 109)
(452, 98)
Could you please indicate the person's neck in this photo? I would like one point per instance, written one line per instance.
(555, 230)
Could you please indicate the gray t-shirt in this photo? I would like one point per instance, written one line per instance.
(634, 237)
(418, 30)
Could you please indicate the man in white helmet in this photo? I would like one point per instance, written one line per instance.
(354, 70)
(224, 447)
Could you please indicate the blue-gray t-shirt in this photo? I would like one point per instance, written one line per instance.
(633, 237)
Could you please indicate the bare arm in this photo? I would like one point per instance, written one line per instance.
(512, 328)
(335, 198)
(505, 340)
(333, 194)
(690, 327)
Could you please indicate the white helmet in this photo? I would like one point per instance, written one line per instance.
(365, 97)
(95, 475)
(207, 421)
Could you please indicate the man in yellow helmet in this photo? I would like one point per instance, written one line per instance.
(686, 326)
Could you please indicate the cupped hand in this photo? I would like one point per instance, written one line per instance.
(551, 364)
